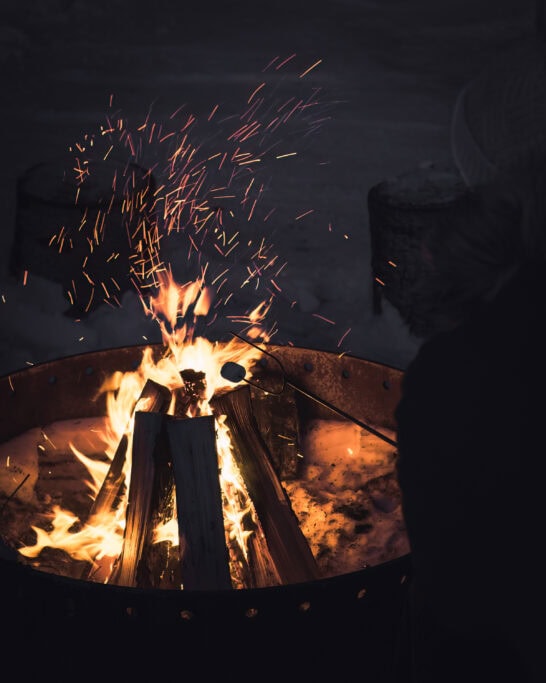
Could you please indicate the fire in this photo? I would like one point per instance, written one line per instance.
(193, 202)
(176, 308)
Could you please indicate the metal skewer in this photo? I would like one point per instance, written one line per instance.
(234, 372)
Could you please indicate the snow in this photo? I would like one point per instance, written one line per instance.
(388, 75)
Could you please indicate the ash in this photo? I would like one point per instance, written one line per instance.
(347, 499)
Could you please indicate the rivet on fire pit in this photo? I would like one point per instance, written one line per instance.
(345, 374)
(308, 367)
(361, 593)
(186, 614)
(88, 370)
(251, 612)
(386, 384)
(305, 606)
(52, 380)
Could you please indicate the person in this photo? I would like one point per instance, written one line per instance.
(471, 456)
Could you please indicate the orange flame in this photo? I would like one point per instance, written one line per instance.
(176, 308)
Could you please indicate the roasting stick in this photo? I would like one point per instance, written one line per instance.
(234, 372)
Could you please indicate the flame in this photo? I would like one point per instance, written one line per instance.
(195, 203)
(176, 308)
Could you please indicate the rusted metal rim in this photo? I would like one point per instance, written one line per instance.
(62, 389)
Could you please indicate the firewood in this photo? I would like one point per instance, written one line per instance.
(277, 419)
(190, 394)
(153, 398)
(146, 433)
(203, 548)
(288, 546)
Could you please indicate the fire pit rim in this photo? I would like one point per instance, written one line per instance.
(383, 580)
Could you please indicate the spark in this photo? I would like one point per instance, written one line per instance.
(270, 63)
(25, 277)
(288, 154)
(379, 281)
(285, 61)
(306, 213)
(214, 110)
(310, 68)
(340, 342)
(255, 92)
(177, 111)
(327, 320)
(219, 276)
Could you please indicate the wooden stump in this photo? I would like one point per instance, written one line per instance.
(80, 234)
(402, 212)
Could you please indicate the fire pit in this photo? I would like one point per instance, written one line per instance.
(356, 608)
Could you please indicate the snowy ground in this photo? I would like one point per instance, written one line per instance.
(388, 75)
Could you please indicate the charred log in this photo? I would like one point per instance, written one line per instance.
(153, 398)
(289, 548)
(203, 550)
(146, 435)
(277, 419)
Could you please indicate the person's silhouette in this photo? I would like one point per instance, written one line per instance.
(472, 463)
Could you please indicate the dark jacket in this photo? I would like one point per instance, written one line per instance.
(471, 470)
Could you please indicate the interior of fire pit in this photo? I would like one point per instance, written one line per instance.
(338, 477)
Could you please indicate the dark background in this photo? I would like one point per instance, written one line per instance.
(390, 73)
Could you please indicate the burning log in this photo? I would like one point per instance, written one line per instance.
(146, 435)
(277, 419)
(153, 398)
(203, 549)
(157, 399)
(189, 396)
(289, 548)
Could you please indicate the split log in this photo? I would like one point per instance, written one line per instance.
(277, 418)
(153, 398)
(293, 558)
(146, 437)
(203, 549)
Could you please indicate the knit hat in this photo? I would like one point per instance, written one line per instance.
(499, 119)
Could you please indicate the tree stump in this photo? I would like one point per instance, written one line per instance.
(402, 212)
(80, 229)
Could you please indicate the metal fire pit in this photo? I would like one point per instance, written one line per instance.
(346, 618)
